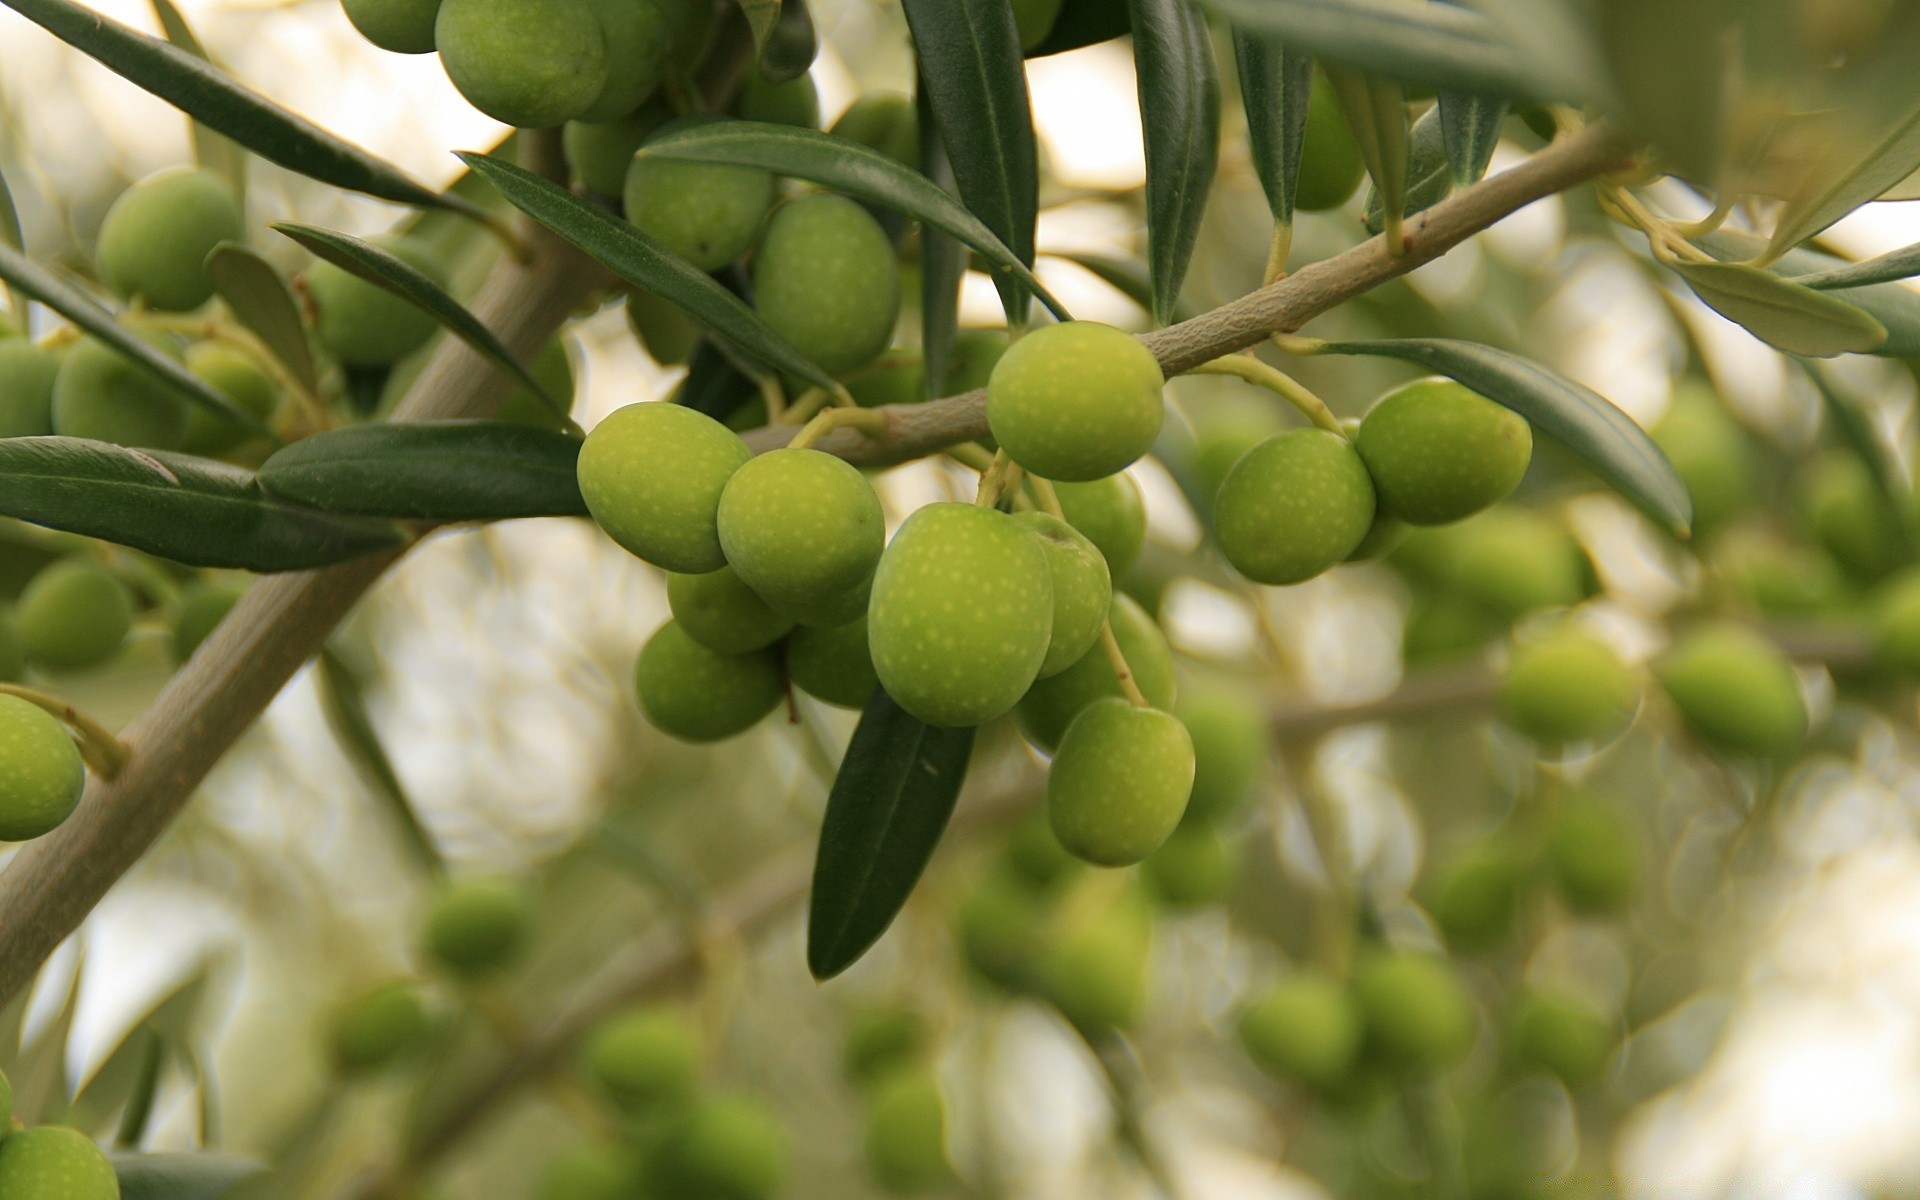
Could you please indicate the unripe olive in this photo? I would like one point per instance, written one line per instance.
(377, 1028)
(833, 664)
(1711, 454)
(1852, 519)
(73, 615)
(155, 239)
(1119, 782)
(1082, 590)
(899, 377)
(1562, 1035)
(1475, 897)
(367, 326)
(652, 475)
(1330, 162)
(479, 926)
(883, 121)
(1036, 857)
(707, 213)
(668, 334)
(961, 614)
(1736, 690)
(27, 375)
(1418, 1016)
(698, 696)
(1513, 561)
(599, 152)
(1304, 1028)
(971, 361)
(1076, 401)
(104, 395)
(638, 42)
(647, 1060)
(593, 1172)
(201, 608)
(1096, 974)
(802, 529)
(54, 1162)
(1439, 452)
(827, 279)
(1052, 703)
(1193, 868)
(883, 1040)
(793, 101)
(1230, 746)
(1035, 19)
(530, 63)
(1568, 686)
(906, 1135)
(1111, 513)
(401, 26)
(237, 376)
(723, 1148)
(1293, 506)
(723, 614)
(1001, 926)
(41, 774)
(1593, 854)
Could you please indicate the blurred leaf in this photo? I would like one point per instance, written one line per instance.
(1831, 189)
(634, 257)
(343, 701)
(1180, 118)
(1781, 313)
(1895, 306)
(432, 471)
(1470, 127)
(975, 81)
(1428, 171)
(943, 260)
(1376, 111)
(1430, 44)
(210, 150)
(67, 300)
(848, 167)
(10, 236)
(1125, 276)
(1082, 23)
(261, 301)
(889, 805)
(1608, 440)
(791, 45)
(1669, 64)
(218, 102)
(199, 1176)
(192, 510)
(121, 1073)
(39, 1075)
(364, 260)
(1275, 83)
(1903, 263)
(1852, 417)
(151, 1048)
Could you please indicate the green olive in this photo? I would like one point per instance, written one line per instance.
(1076, 401)
(1052, 703)
(54, 1162)
(1119, 782)
(479, 926)
(1736, 690)
(364, 325)
(793, 101)
(593, 1171)
(1082, 590)
(722, 613)
(647, 1059)
(41, 774)
(652, 475)
(1304, 1028)
(833, 664)
(1593, 854)
(1095, 973)
(1293, 506)
(1111, 513)
(827, 279)
(530, 63)
(722, 1148)
(707, 213)
(197, 613)
(1418, 1016)
(1330, 163)
(1230, 747)
(698, 696)
(1476, 896)
(155, 239)
(639, 41)
(1712, 454)
(379, 1027)
(883, 121)
(1193, 868)
(883, 1039)
(1568, 686)
(102, 394)
(802, 529)
(27, 376)
(600, 152)
(240, 378)
(1439, 452)
(1847, 513)
(906, 1133)
(73, 615)
(1561, 1034)
(401, 26)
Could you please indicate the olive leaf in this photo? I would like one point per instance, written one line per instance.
(1903, 263)
(260, 300)
(1275, 83)
(1668, 66)
(1605, 438)
(1429, 174)
(889, 806)
(1832, 189)
(1433, 45)
(210, 150)
(1376, 111)
(1895, 307)
(343, 703)
(1782, 313)
(1470, 129)
(790, 45)
(943, 261)
(1124, 275)
(1180, 119)
(431, 471)
(714, 385)
(127, 1074)
(202, 1175)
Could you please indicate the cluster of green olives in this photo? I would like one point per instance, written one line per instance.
(53, 1161)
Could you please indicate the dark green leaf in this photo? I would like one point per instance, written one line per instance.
(792, 45)
(432, 471)
(1376, 111)
(261, 301)
(218, 102)
(1470, 126)
(1618, 450)
(890, 804)
(943, 261)
(1125, 276)
(1082, 23)
(1903, 263)
(1781, 313)
(67, 300)
(1428, 174)
(713, 384)
(1275, 83)
(199, 1176)
(191, 510)
(846, 167)
(1180, 118)
(343, 701)
(634, 257)
(975, 80)
(1896, 307)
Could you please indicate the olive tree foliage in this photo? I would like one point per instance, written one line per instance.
(1316, 711)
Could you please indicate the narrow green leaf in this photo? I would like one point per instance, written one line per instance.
(848, 167)
(1896, 307)
(943, 260)
(975, 80)
(1618, 450)
(76, 306)
(260, 300)
(1376, 111)
(191, 510)
(210, 150)
(432, 471)
(1123, 275)
(151, 1047)
(634, 257)
(10, 236)
(118, 1077)
(1180, 118)
(391, 274)
(1831, 190)
(1429, 176)
(215, 100)
(39, 1075)
(1470, 127)
(1275, 83)
(792, 44)
(196, 1176)
(1782, 313)
(714, 385)
(889, 805)
(1082, 23)
(1429, 44)
(343, 701)
(1903, 263)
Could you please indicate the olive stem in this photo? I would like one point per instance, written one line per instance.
(1121, 671)
(1251, 369)
(1293, 343)
(103, 752)
(972, 455)
(1049, 500)
(870, 421)
(992, 481)
(774, 397)
(1277, 251)
(809, 405)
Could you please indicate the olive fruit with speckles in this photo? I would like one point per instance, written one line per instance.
(1736, 690)
(652, 475)
(364, 325)
(530, 63)
(1896, 623)
(721, 1148)
(41, 774)
(1119, 782)
(600, 152)
(1052, 703)
(199, 610)
(1417, 1013)
(803, 529)
(646, 1060)
(1096, 972)
(27, 376)
(1593, 855)
(73, 615)
(54, 1162)
(793, 101)
(1476, 896)
(102, 394)
(722, 613)
(1075, 401)
(155, 239)
(1304, 1028)
(1568, 686)
(400, 26)
(697, 695)
(638, 41)
(1230, 745)
(1111, 513)
(379, 1027)
(479, 926)
(1439, 452)
(1196, 866)
(828, 280)
(882, 1040)
(593, 1171)
(1847, 513)
(1561, 1034)
(1293, 506)
(961, 614)
(883, 121)
(833, 664)
(668, 334)
(707, 213)
(240, 378)
(1330, 163)
(1711, 453)
(1082, 590)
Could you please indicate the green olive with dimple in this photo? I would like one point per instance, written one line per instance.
(718, 610)
(827, 279)
(41, 774)
(1568, 686)
(156, 237)
(1439, 452)
(833, 664)
(1293, 506)
(697, 695)
(1050, 706)
(529, 63)
(1736, 690)
(1119, 782)
(802, 529)
(652, 475)
(54, 1162)
(1076, 401)
(1111, 513)
(1082, 589)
